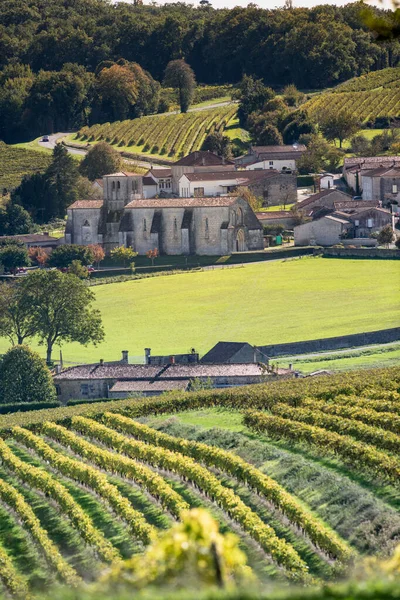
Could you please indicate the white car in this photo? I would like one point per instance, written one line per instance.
(45, 138)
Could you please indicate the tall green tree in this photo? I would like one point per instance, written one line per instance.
(62, 310)
(179, 75)
(24, 377)
(12, 257)
(62, 176)
(338, 126)
(15, 220)
(252, 95)
(64, 255)
(16, 319)
(101, 160)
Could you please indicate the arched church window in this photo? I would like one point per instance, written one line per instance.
(175, 228)
(119, 185)
(113, 185)
(86, 223)
(240, 216)
(144, 225)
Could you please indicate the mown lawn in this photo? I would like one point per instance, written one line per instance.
(261, 303)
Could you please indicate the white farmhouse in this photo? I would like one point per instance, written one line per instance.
(281, 158)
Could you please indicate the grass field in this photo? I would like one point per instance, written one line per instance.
(263, 303)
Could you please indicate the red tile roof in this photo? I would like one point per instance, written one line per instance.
(121, 174)
(160, 173)
(202, 158)
(182, 202)
(150, 386)
(238, 176)
(87, 204)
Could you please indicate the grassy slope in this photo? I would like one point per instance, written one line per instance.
(260, 303)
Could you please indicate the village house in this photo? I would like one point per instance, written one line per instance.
(121, 380)
(281, 158)
(330, 200)
(271, 186)
(354, 228)
(355, 168)
(34, 240)
(198, 162)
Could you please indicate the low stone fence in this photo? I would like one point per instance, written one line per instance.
(358, 253)
(383, 336)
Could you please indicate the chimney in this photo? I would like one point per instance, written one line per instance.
(147, 353)
(58, 369)
(124, 358)
(172, 360)
(101, 362)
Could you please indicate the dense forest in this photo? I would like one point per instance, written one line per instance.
(53, 54)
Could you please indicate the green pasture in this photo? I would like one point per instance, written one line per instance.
(282, 301)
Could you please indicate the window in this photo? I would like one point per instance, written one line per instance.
(58, 390)
(206, 229)
(119, 185)
(271, 163)
(113, 185)
(240, 217)
(394, 188)
(198, 192)
(134, 186)
(370, 223)
(85, 389)
(175, 228)
(356, 222)
(168, 183)
(161, 183)
(144, 225)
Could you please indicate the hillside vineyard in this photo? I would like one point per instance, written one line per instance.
(107, 482)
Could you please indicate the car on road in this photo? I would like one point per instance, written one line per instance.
(45, 138)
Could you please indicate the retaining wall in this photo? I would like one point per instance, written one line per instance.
(382, 336)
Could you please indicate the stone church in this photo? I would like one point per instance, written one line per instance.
(205, 225)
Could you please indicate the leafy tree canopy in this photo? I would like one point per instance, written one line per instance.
(24, 377)
(101, 160)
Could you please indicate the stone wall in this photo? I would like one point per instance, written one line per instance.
(382, 336)
(360, 252)
(276, 190)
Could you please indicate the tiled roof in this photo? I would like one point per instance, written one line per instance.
(223, 351)
(237, 176)
(354, 204)
(211, 370)
(150, 386)
(274, 214)
(278, 149)
(337, 219)
(99, 182)
(87, 204)
(319, 195)
(160, 173)
(121, 174)
(370, 160)
(30, 238)
(109, 371)
(383, 172)
(183, 202)
(202, 158)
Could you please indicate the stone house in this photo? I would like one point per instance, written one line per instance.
(198, 162)
(354, 168)
(34, 240)
(271, 185)
(277, 217)
(381, 185)
(121, 380)
(340, 227)
(281, 158)
(234, 352)
(323, 200)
